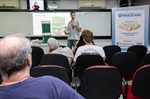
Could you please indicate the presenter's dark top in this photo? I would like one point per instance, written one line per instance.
(36, 7)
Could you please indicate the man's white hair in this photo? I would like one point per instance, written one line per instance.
(53, 43)
(14, 51)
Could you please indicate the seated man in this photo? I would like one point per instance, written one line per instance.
(55, 48)
(89, 47)
(15, 64)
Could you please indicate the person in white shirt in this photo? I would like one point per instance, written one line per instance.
(89, 48)
(55, 48)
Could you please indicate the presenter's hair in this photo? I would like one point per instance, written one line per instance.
(87, 36)
(72, 12)
(14, 53)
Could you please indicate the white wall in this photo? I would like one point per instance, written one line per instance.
(65, 4)
(23, 4)
(112, 4)
(10, 3)
(141, 2)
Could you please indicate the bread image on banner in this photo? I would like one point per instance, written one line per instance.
(58, 24)
(129, 25)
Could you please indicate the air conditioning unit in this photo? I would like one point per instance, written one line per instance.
(92, 4)
(9, 3)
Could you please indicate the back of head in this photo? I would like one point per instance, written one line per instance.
(53, 43)
(87, 36)
(14, 51)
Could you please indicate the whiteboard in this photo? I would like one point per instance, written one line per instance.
(98, 22)
(15, 22)
(22, 22)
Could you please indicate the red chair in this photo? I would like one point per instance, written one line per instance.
(53, 70)
(140, 88)
(86, 60)
(146, 59)
(37, 53)
(55, 59)
(101, 82)
(83, 62)
(140, 51)
(126, 62)
(110, 50)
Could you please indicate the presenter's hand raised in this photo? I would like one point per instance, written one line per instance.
(66, 31)
(72, 24)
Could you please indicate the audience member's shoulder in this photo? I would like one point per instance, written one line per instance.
(67, 48)
(45, 79)
(97, 46)
(50, 80)
(82, 46)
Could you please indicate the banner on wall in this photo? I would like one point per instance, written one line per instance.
(130, 26)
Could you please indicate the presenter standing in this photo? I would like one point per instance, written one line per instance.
(74, 31)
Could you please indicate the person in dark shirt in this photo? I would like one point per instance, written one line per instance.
(15, 64)
(35, 6)
(79, 43)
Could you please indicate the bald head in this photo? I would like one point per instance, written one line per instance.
(14, 51)
(10, 43)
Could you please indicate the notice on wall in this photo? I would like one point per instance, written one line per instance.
(130, 26)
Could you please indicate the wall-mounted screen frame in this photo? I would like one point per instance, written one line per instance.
(36, 5)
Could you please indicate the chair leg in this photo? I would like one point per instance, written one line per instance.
(73, 83)
(125, 88)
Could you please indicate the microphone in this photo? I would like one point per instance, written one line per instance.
(29, 37)
(73, 26)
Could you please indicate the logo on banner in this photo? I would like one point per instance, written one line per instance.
(129, 25)
(129, 15)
